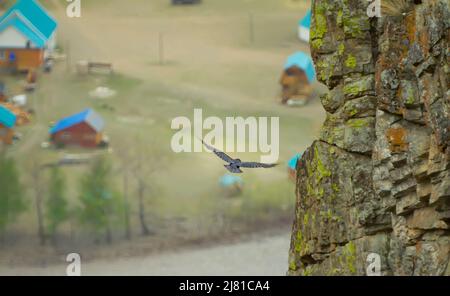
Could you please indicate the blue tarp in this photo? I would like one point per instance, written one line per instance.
(230, 180)
(292, 164)
(304, 62)
(7, 118)
(306, 20)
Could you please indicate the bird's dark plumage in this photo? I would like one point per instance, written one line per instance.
(235, 165)
(255, 165)
(219, 153)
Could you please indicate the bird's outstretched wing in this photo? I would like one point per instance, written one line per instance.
(255, 165)
(219, 153)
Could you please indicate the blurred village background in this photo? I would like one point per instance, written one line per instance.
(85, 111)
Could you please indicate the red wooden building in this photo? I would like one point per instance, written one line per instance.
(84, 129)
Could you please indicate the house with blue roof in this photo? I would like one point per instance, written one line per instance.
(232, 185)
(84, 129)
(27, 36)
(304, 26)
(7, 124)
(292, 166)
(302, 61)
(298, 76)
(230, 180)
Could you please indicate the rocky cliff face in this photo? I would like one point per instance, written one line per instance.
(378, 179)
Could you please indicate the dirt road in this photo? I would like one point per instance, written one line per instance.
(263, 257)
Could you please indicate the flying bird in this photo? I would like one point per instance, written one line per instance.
(235, 165)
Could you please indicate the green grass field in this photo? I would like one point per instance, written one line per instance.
(210, 62)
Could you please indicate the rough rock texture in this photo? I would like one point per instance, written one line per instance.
(378, 179)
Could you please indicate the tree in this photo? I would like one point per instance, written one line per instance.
(99, 203)
(140, 164)
(126, 166)
(126, 206)
(148, 163)
(56, 205)
(37, 187)
(11, 194)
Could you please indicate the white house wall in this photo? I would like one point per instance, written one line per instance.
(303, 34)
(51, 44)
(11, 38)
